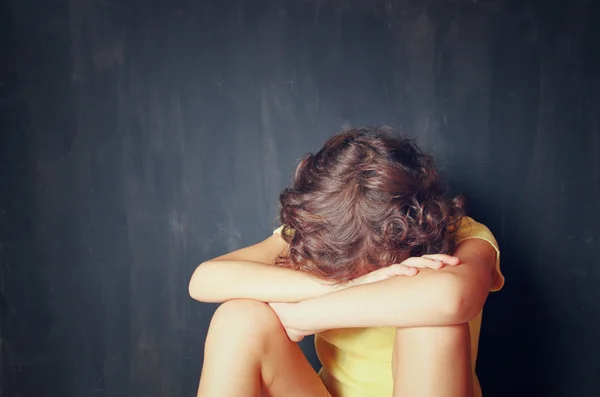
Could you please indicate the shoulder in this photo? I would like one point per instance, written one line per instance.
(284, 231)
(471, 229)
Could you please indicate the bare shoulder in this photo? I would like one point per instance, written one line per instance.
(476, 250)
(265, 251)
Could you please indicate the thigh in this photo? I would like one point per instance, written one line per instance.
(433, 361)
(247, 349)
(287, 373)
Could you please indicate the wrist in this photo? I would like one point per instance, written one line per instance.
(303, 316)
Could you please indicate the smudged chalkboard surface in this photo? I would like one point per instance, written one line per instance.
(141, 138)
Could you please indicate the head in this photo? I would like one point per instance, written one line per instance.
(367, 199)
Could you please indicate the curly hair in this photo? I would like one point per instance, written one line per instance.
(365, 200)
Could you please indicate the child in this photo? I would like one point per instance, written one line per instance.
(376, 261)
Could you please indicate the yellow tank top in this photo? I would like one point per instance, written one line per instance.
(357, 362)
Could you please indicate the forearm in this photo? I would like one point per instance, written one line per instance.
(432, 298)
(223, 280)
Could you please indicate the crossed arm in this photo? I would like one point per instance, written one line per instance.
(448, 296)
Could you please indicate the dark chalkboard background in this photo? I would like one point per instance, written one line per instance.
(140, 138)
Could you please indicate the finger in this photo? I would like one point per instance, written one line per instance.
(402, 270)
(446, 259)
(294, 336)
(423, 263)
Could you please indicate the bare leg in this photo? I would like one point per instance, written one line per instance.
(248, 352)
(433, 361)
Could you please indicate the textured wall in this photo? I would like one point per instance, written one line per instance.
(140, 138)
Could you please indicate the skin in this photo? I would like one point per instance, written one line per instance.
(272, 365)
(249, 348)
(247, 353)
(448, 296)
(433, 362)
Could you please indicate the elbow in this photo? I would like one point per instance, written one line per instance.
(461, 304)
(193, 288)
(198, 287)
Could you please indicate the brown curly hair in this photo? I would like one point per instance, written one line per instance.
(365, 200)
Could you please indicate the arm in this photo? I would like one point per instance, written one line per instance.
(248, 273)
(452, 295)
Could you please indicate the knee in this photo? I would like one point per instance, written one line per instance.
(440, 334)
(451, 334)
(244, 316)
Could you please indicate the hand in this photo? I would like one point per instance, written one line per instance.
(287, 313)
(409, 267)
(431, 261)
